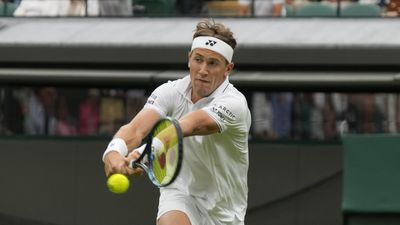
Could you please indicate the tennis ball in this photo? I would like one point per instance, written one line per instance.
(118, 183)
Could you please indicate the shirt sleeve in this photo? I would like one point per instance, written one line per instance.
(229, 112)
(161, 99)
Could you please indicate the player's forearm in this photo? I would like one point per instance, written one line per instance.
(134, 132)
(132, 137)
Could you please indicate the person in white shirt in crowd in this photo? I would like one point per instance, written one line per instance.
(53, 8)
(269, 8)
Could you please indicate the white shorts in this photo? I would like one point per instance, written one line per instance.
(173, 199)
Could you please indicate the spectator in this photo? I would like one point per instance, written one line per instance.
(261, 7)
(262, 115)
(329, 118)
(115, 7)
(367, 112)
(135, 99)
(111, 112)
(89, 113)
(40, 116)
(282, 104)
(317, 103)
(57, 8)
(351, 115)
(65, 122)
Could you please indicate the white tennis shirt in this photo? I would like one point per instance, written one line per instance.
(214, 169)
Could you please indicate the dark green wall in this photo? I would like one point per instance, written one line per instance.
(62, 182)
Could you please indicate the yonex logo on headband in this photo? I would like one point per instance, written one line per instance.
(211, 42)
(215, 45)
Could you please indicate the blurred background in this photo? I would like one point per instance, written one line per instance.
(321, 79)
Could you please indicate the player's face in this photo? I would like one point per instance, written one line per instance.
(208, 71)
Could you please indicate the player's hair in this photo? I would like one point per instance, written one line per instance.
(209, 27)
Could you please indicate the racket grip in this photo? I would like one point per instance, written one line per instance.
(140, 150)
(132, 164)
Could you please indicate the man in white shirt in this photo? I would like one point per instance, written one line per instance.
(261, 7)
(57, 8)
(211, 188)
(74, 8)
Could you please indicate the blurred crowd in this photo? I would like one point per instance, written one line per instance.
(236, 8)
(93, 111)
(67, 111)
(323, 116)
(56, 111)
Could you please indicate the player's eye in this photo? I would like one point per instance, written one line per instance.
(213, 63)
(198, 59)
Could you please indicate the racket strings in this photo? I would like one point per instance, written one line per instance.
(164, 154)
(165, 159)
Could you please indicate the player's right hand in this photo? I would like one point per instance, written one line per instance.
(115, 163)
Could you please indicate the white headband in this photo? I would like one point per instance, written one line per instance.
(215, 45)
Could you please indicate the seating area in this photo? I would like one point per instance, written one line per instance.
(232, 8)
(223, 8)
(315, 9)
(154, 7)
(360, 10)
(318, 9)
(7, 9)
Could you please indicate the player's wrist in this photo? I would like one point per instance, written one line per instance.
(117, 145)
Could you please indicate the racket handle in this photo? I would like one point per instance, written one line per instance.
(132, 164)
(140, 150)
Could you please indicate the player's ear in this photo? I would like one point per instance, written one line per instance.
(229, 69)
(189, 54)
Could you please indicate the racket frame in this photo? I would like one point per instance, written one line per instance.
(142, 163)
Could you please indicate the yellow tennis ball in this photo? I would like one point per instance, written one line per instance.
(118, 183)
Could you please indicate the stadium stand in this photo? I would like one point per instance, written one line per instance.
(288, 10)
(155, 8)
(7, 8)
(315, 9)
(360, 10)
(223, 8)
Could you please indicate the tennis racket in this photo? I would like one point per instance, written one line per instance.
(162, 156)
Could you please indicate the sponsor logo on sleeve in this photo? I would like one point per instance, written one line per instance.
(151, 99)
(223, 112)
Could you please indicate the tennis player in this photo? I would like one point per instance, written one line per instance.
(211, 188)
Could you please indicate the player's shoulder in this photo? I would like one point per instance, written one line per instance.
(178, 84)
(232, 102)
(233, 94)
